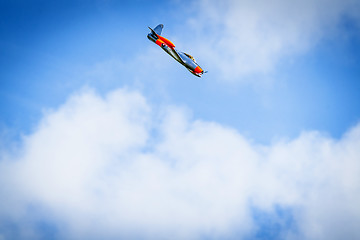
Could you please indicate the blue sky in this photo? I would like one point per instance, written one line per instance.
(45, 46)
(281, 95)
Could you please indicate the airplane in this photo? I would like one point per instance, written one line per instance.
(185, 59)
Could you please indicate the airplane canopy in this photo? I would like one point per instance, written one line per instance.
(191, 57)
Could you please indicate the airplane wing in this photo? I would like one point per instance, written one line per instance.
(178, 55)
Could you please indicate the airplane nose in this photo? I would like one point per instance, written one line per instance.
(198, 70)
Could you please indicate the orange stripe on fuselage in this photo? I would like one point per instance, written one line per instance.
(166, 41)
(159, 42)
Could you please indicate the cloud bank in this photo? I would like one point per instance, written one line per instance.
(239, 38)
(114, 166)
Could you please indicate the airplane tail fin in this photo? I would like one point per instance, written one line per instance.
(155, 33)
(158, 29)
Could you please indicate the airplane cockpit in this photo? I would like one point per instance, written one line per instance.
(191, 57)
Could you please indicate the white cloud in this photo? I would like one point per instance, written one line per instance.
(238, 38)
(105, 167)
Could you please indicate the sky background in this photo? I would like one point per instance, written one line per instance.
(105, 136)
